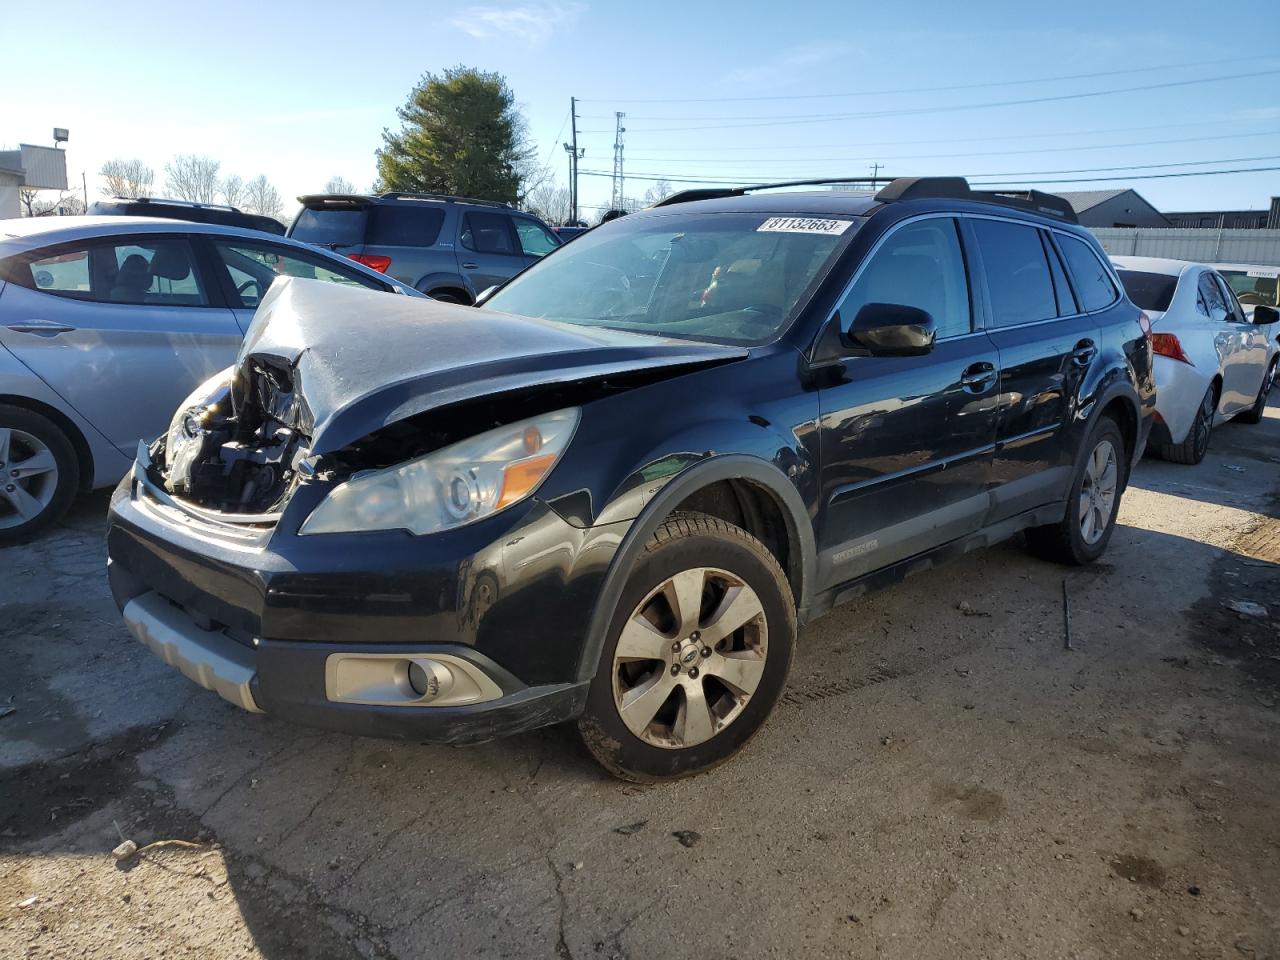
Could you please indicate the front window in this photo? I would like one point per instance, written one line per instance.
(725, 277)
(253, 267)
(1255, 286)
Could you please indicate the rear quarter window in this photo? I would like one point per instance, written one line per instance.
(393, 225)
(1092, 280)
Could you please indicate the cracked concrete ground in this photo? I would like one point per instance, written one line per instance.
(935, 783)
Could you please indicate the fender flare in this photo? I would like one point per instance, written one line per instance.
(432, 281)
(714, 469)
(1119, 388)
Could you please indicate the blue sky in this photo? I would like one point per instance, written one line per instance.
(301, 91)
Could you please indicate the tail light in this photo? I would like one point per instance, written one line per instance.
(371, 260)
(1167, 345)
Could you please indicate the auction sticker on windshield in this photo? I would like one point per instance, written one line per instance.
(819, 225)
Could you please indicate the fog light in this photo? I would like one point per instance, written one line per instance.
(429, 679)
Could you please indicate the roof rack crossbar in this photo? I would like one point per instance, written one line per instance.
(957, 188)
(716, 193)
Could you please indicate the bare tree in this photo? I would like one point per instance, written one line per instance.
(659, 191)
(233, 190)
(339, 185)
(549, 202)
(33, 205)
(192, 177)
(127, 178)
(262, 197)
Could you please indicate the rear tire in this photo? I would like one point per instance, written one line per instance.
(39, 474)
(444, 297)
(1196, 444)
(680, 692)
(1254, 413)
(1092, 503)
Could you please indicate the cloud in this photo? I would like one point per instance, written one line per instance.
(534, 23)
(785, 68)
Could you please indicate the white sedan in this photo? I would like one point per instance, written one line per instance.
(1212, 361)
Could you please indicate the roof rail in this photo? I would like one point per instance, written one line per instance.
(716, 193)
(178, 203)
(957, 188)
(398, 195)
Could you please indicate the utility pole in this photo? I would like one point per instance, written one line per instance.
(618, 192)
(574, 156)
(875, 169)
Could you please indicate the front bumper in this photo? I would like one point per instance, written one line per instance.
(261, 618)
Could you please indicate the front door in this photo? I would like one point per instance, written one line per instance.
(907, 441)
(122, 328)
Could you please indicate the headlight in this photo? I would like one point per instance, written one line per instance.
(181, 443)
(454, 486)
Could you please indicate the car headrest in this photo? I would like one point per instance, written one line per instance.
(171, 262)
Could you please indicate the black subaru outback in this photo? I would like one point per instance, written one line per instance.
(612, 493)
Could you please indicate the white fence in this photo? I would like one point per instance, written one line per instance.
(1209, 245)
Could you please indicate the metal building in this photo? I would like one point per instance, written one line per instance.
(44, 168)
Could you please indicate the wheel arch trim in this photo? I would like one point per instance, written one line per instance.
(738, 467)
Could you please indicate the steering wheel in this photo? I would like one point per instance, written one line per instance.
(240, 290)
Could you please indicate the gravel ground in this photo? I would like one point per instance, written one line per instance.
(938, 781)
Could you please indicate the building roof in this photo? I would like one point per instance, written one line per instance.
(1082, 200)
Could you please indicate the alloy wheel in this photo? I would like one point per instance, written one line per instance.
(689, 658)
(1098, 492)
(28, 477)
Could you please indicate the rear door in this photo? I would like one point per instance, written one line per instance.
(122, 328)
(489, 252)
(246, 268)
(1231, 341)
(1046, 343)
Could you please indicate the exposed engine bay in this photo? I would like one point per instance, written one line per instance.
(237, 449)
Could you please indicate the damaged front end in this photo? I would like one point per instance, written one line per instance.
(235, 444)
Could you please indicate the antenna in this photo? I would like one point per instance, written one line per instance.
(618, 199)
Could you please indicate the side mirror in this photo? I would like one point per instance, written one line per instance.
(1264, 314)
(485, 294)
(893, 330)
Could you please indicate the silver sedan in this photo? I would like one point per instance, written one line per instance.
(106, 323)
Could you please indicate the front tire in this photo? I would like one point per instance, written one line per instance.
(1092, 504)
(39, 474)
(1196, 444)
(696, 656)
(1254, 413)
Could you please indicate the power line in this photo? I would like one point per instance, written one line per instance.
(882, 93)
(701, 124)
(907, 143)
(1143, 176)
(1031, 174)
(987, 153)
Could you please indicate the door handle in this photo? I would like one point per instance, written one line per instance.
(471, 266)
(43, 328)
(978, 378)
(1084, 353)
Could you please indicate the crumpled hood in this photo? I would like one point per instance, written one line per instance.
(361, 359)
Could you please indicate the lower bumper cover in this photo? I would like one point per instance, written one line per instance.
(286, 679)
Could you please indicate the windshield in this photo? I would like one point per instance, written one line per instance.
(1150, 291)
(1256, 285)
(724, 277)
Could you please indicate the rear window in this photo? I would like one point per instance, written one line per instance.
(1150, 291)
(391, 225)
(328, 227)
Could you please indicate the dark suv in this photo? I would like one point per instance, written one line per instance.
(185, 210)
(450, 248)
(613, 493)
